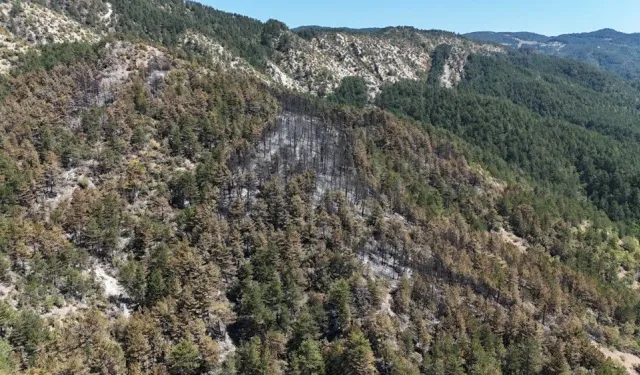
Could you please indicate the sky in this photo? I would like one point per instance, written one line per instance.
(549, 17)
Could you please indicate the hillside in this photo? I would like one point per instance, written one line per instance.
(315, 64)
(188, 191)
(608, 49)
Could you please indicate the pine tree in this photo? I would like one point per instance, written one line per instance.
(136, 341)
(28, 333)
(253, 314)
(307, 359)
(340, 306)
(209, 351)
(156, 287)
(524, 357)
(304, 328)
(183, 358)
(8, 363)
(557, 363)
(482, 360)
(292, 256)
(249, 358)
(273, 195)
(402, 296)
(133, 277)
(358, 357)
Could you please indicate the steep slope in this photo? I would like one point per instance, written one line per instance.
(24, 25)
(319, 64)
(567, 122)
(168, 206)
(270, 51)
(568, 128)
(182, 194)
(166, 216)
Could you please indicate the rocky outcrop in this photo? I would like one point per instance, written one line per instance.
(318, 65)
(28, 24)
(39, 25)
(315, 65)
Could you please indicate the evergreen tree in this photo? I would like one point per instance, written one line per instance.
(524, 357)
(352, 91)
(340, 306)
(249, 358)
(183, 358)
(156, 287)
(307, 359)
(358, 357)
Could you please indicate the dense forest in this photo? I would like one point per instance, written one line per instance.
(165, 21)
(562, 122)
(161, 213)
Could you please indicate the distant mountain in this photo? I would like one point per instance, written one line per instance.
(508, 39)
(316, 28)
(608, 49)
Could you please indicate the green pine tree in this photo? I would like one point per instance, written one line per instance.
(358, 357)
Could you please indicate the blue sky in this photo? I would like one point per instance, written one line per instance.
(550, 17)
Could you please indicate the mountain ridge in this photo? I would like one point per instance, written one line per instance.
(312, 60)
(608, 49)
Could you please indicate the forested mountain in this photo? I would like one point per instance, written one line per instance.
(188, 191)
(608, 49)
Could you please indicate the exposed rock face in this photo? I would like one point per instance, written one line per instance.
(32, 25)
(317, 66)
(39, 25)
(314, 66)
(217, 53)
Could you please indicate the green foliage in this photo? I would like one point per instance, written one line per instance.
(375, 252)
(310, 32)
(352, 91)
(184, 190)
(339, 302)
(8, 363)
(50, 55)
(156, 287)
(16, 8)
(545, 145)
(272, 35)
(307, 359)
(28, 333)
(358, 357)
(5, 87)
(560, 89)
(133, 279)
(250, 358)
(164, 21)
(524, 357)
(439, 58)
(608, 367)
(183, 358)
(11, 185)
(87, 12)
